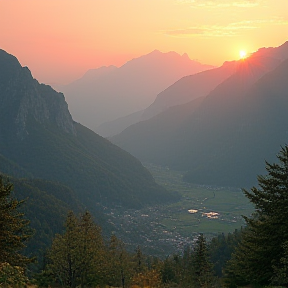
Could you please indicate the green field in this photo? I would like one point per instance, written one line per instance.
(229, 204)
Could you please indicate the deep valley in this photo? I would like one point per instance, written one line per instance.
(165, 229)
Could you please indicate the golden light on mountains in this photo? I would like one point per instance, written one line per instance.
(93, 33)
(242, 54)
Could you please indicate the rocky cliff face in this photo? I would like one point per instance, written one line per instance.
(39, 139)
(26, 99)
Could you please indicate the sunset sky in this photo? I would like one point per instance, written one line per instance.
(61, 39)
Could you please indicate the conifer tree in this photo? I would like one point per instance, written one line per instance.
(12, 276)
(168, 272)
(139, 261)
(263, 241)
(280, 269)
(186, 266)
(221, 248)
(14, 230)
(202, 269)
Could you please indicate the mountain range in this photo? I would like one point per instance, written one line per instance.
(223, 137)
(107, 93)
(182, 91)
(39, 139)
(217, 126)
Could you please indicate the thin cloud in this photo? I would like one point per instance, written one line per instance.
(230, 30)
(221, 3)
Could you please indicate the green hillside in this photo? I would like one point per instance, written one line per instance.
(39, 138)
(46, 205)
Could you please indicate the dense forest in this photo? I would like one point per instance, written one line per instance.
(80, 256)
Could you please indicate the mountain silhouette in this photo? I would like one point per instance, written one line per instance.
(182, 91)
(224, 137)
(188, 88)
(117, 92)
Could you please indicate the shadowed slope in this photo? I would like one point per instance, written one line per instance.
(38, 134)
(122, 91)
(223, 140)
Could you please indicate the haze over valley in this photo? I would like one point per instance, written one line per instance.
(108, 93)
(143, 144)
(216, 125)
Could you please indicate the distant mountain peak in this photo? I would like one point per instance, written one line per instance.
(185, 56)
(109, 93)
(103, 70)
(228, 63)
(156, 51)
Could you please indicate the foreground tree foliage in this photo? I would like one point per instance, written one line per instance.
(147, 278)
(280, 276)
(261, 257)
(75, 257)
(12, 276)
(119, 265)
(193, 268)
(80, 258)
(202, 268)
(14, 232)
(259, 251)
(221, 249)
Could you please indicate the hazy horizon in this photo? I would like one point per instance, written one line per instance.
(60, 40)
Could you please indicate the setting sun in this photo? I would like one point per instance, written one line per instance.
(243, 54)
(93, 33)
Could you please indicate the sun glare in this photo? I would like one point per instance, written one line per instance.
(242, 54)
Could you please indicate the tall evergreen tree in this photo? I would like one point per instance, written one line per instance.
(168, 272)
(280, 276)
(263, 241)
(14, 230)
(202, 269)
(221, 248)
(139, 260)
(186, 266)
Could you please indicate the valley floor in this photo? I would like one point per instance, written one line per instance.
(165, 229)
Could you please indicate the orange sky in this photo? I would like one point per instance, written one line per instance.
(61, 39)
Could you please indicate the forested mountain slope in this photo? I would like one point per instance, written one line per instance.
(38, 136)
